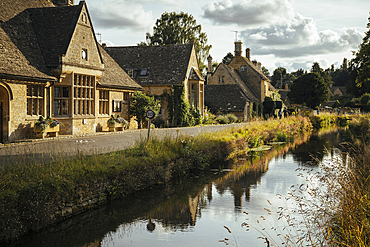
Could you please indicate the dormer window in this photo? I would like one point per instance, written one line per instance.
(84, 54)
(130, 73)
(144, 72)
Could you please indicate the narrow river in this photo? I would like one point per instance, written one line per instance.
(195, 213)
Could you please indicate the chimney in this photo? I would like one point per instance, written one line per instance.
(254, 63)
(248, 53)
(238, 48)
(259, 66)
(209, 59)
(104, 45)
(63, 2)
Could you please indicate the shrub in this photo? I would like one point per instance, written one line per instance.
(232, 118)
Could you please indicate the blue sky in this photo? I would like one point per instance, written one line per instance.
(289, 33)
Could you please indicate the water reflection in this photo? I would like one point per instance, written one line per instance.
(192, 213)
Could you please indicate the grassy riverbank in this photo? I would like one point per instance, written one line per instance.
(351, 224)
(31, 191)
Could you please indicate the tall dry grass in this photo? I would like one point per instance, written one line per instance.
(332, 208)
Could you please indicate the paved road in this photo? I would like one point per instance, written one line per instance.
(93, 144)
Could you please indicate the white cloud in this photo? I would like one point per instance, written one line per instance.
(248, 12)
(120, 14)
(298, 38)
(272, 27)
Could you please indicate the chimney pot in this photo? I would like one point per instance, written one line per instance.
(248, 53)
(238, 48)
(209, 59)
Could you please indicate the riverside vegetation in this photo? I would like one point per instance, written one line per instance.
(31, 189)
(333, 207)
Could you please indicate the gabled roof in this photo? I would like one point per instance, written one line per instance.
(165, 64)
(240, 81)
(257, 71)
(114, 75)
(54, 28)
(20, 54)
(224, 98)
(11, 8)
(195, 74)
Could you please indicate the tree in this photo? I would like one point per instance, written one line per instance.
(298, 73)
(310, 89)
(325, 74)
(277, 77)
(180, 28)
(316, 68)
(140, 104)
(360, 66)
(228, 58)
(265, 71)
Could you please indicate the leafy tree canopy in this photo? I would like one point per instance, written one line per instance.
(278, 76)
(360, 65)
(265, 71)
(310, 89)
(180, 28)
(140, 104)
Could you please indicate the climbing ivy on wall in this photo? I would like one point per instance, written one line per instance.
(257, 109)
(178, 107)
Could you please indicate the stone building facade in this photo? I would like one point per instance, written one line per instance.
(158, 68)
(52, 65)
(233, 88)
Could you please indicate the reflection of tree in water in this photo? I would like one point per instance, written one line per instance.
(313, 152)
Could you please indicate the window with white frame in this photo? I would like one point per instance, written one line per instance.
(35, 100)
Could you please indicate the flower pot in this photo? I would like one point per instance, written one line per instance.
(53, 131)
(116, 127)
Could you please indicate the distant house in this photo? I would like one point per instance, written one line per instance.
(52, 65)
(235, 87)
(158, 68)
(337, 91)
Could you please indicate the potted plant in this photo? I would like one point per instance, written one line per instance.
(46, 125)
(117, 123)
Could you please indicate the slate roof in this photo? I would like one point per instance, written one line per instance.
(114, 75)
(241, 82)
(33, 39)
(224, 98)
(165, 64)
(20, 54)
(11, 8)
(257, 71)
(46, 21)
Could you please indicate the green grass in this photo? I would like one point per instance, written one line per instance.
(43, 184)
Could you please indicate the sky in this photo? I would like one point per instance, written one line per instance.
(280, 33)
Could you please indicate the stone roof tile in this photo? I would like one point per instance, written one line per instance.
(46, 21)
(165, 64)
(224, 98)
(20, 53)
(114, 75)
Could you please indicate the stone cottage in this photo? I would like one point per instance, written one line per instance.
(235, 87)
(52, 65)
(158, 68)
